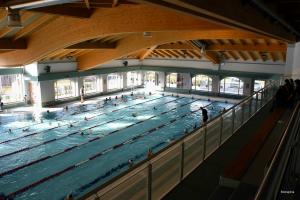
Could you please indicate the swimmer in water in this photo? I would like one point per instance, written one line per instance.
(85, 118)
(150, 93)
(154, 108)
(134, 114)
(81, 133)
(48, 111)
(25, 129)
(115, 104)
(149, 153)
(163, 94)
(66, 108)
(9, 130)
(116, 97)
(70, 125)
(130, 163)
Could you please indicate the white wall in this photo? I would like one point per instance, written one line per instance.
(63, 66)
(292, 66)
(246, 66)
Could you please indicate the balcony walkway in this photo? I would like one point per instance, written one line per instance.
(204, 181)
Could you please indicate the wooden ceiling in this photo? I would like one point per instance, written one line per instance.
(97, 31)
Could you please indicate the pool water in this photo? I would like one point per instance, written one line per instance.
(44, 157)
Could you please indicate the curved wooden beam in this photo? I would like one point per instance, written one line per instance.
(65, 31)
(136, 42)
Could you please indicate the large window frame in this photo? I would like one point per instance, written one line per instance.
(258, 85)
(232, 85)
(201, 82)
(12, 88)
(174, 80)
(114, 81)
(92, 84)
(65, 88)
(134, 79)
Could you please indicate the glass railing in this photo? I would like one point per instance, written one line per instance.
(155, 177)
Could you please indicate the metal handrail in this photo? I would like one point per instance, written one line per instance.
(172, 144)
(276, 155)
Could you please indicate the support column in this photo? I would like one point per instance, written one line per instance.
(124, 80)
(104, 78)
(215, 84)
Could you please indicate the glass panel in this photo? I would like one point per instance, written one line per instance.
(238, 117)
(212, 136)
(166, 171)
(90, 84)
(114, 81)
(246, 106)
(64, 88)
(227, 125)
(134, 79)
(193, 151)
(259, 84)
(252, 106)
(11, 88)
(171, 80)
(202, 83)
(231, 85)
(130, 187)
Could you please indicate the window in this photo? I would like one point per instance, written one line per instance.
(64, 88)
(174, 80)
(258, 84)
(149, 79)
(90, 84)
(114, 81)
(133, 79)
(202, 82)
(11, 88)
(231, 85)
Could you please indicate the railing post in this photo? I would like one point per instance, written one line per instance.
(243, 113)
(149, 185)
(250, 106)
(204, 142)
(221, 129)
(233, 118)
(256, 103)
(182, 161)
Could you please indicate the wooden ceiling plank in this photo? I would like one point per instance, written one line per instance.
(93, 45)
(147, 52)
(9, 44)
(33, 26)
(75, 12)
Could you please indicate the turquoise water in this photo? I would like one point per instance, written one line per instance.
(45, 158)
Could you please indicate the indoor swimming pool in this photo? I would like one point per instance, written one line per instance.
(72, 151)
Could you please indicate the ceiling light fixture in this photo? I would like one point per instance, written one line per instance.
(147, 34)
(13, 18)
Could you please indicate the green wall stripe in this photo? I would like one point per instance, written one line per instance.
(7, 71)
(192, 71)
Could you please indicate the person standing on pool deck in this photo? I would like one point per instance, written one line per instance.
(82, 94)
(204, 114)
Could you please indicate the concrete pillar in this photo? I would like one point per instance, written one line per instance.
(125, 80)
(161, 79)
(79, 84)
(215, 83)
(187, 83)
(292, 66)
(104, 79)
(47, 91)
(247, 86)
